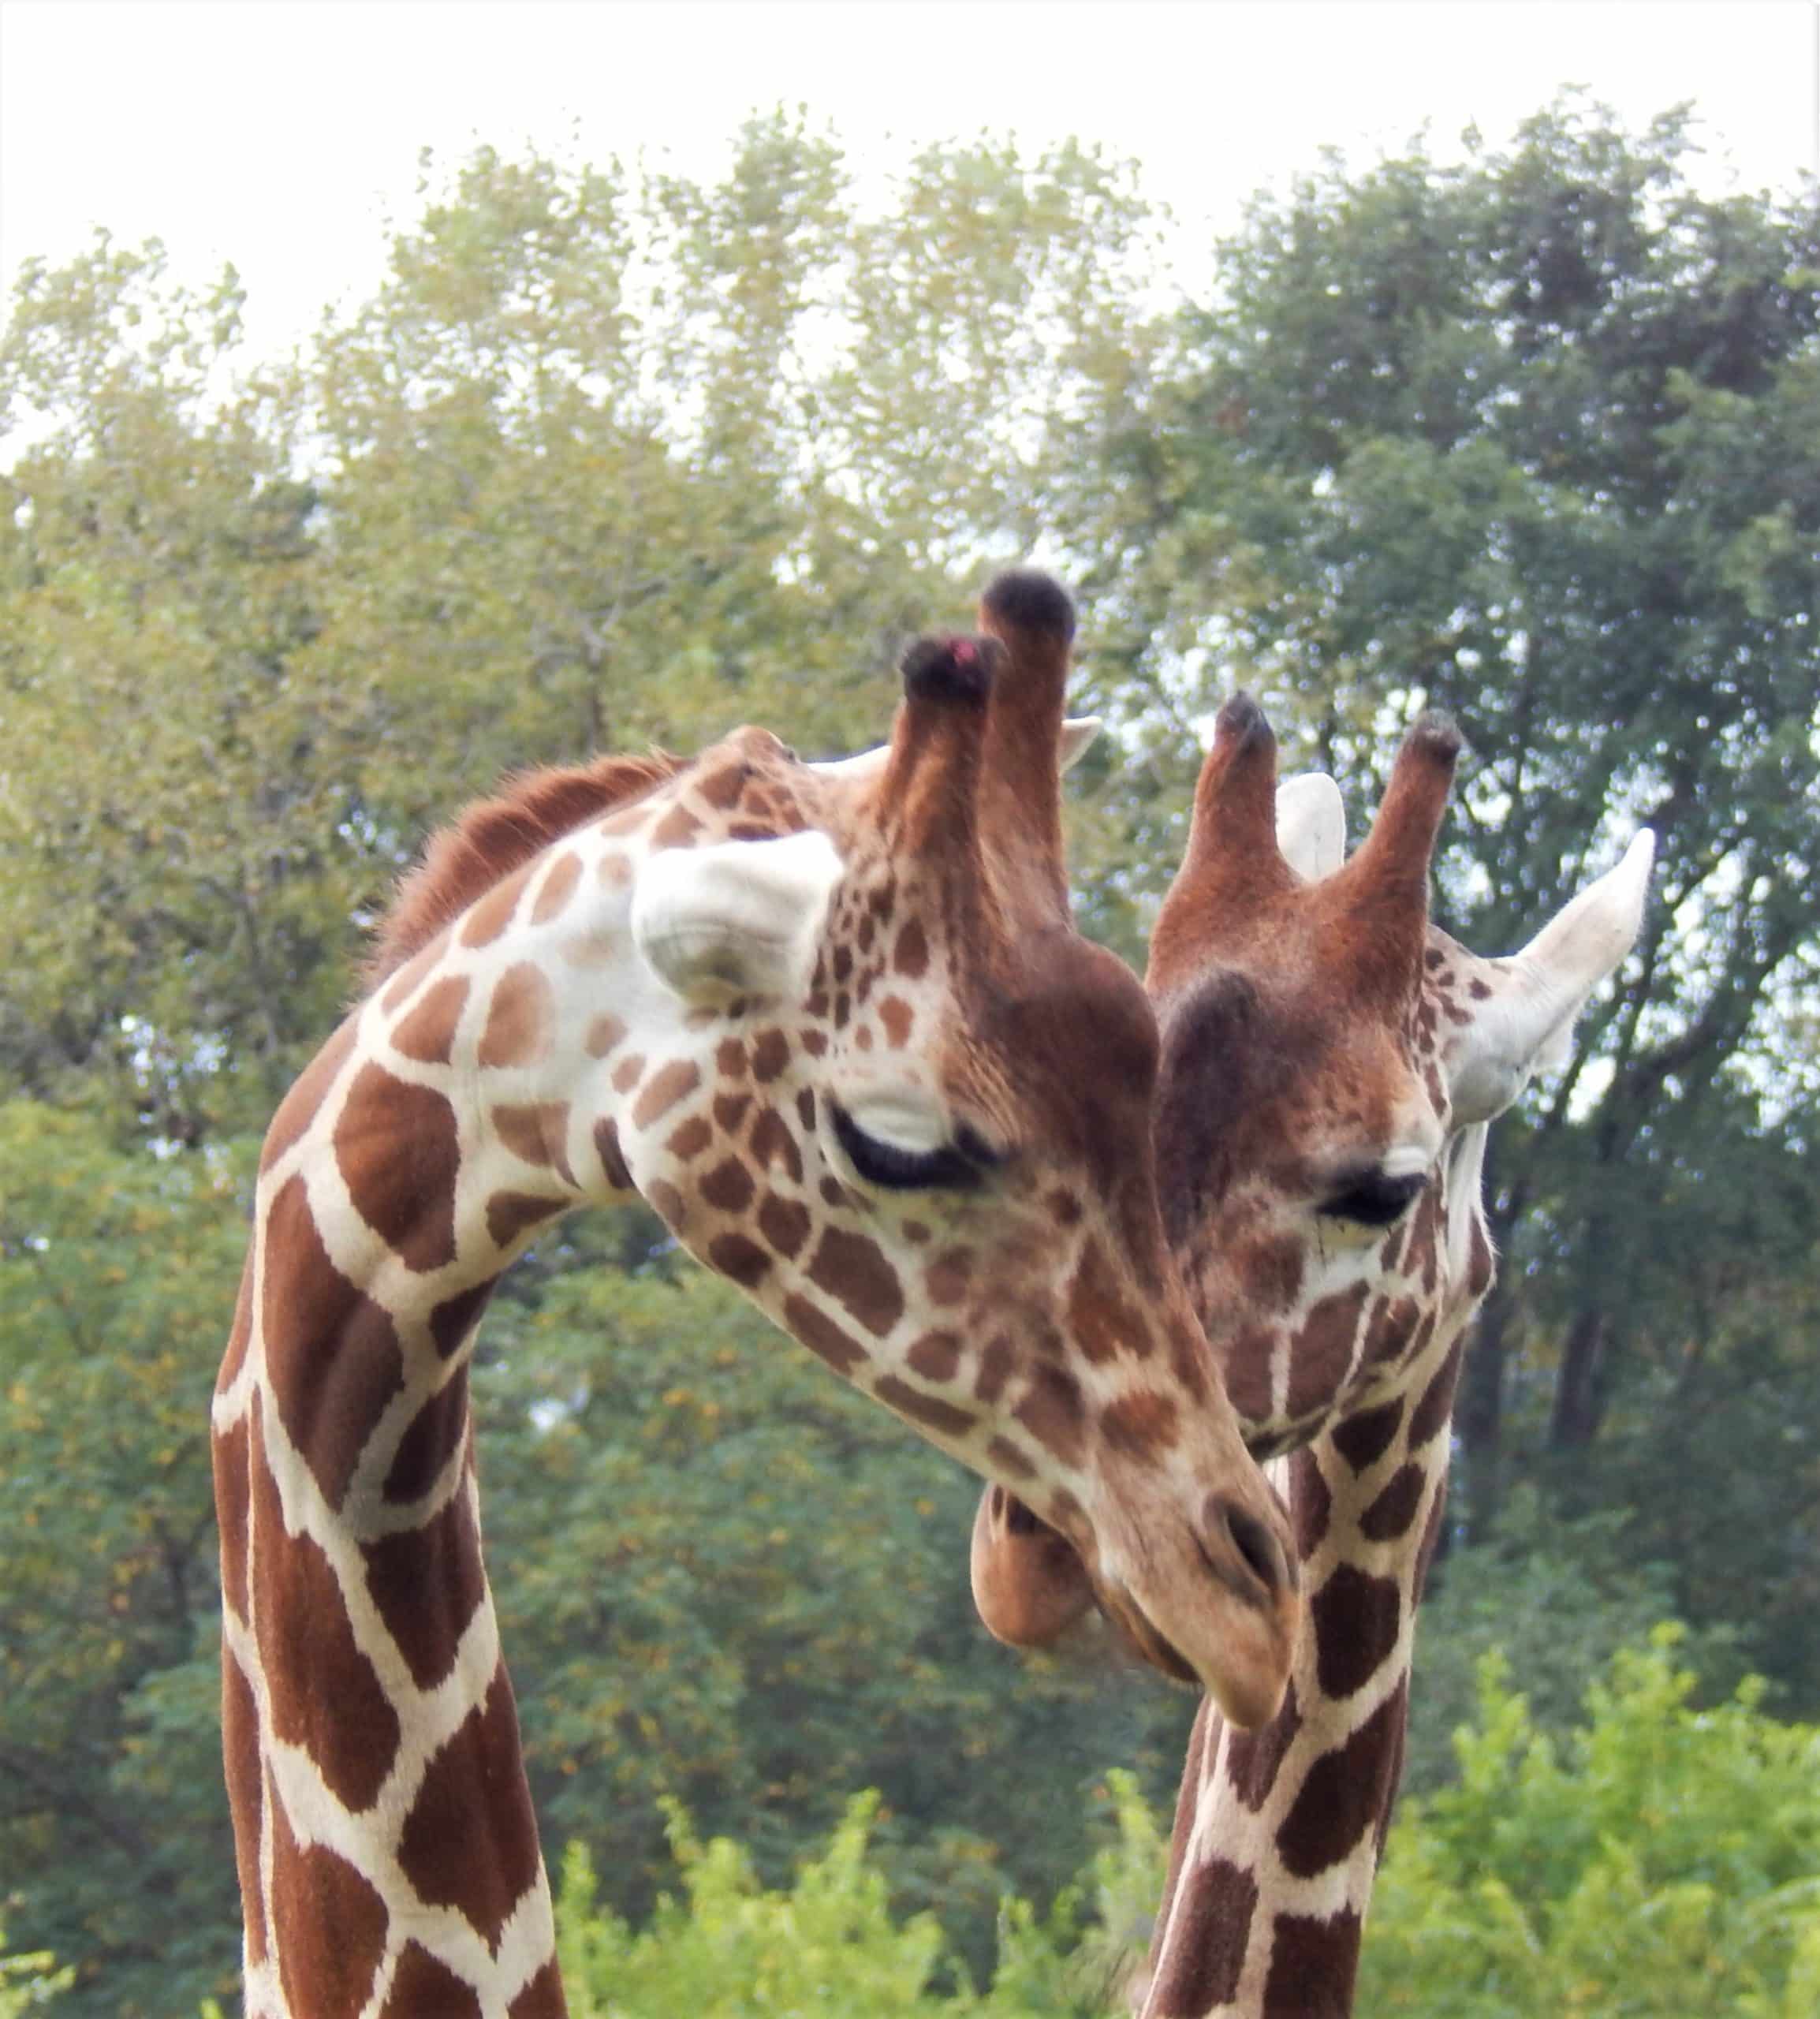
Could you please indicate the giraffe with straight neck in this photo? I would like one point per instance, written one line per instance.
(833, 1025)
(1332, 1062)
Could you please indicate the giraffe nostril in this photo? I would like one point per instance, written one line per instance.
(1254, 1543)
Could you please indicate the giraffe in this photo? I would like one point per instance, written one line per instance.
(835, 1026)
(1332, 1062)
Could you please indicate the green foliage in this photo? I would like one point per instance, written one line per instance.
(28, 1982)
(1662, 1862)
(727, 1949)
(611, 458)
(1558, 1597)
(725, 1579)
(116, 1273)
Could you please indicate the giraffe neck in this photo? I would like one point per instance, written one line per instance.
(387, 1850)
(1278, 1831)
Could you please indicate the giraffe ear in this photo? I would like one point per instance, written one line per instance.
(735, 918)
(1524, 1024)
(1079, 733)
(1311, 826)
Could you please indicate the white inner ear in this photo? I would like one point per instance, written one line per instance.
(735, 918)
(1526, 1025)
(1311, 825)
(1079, 733)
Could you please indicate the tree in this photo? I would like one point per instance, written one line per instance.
(1534, 438)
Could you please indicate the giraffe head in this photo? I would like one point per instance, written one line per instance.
(864, 1067)
(1329, 1061)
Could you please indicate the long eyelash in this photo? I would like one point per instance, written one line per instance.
(956, 1166)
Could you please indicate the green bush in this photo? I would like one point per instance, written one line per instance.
(729, 1949)
(1664, 1864)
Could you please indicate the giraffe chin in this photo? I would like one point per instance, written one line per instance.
(1244, 1668)
(1033, 1589)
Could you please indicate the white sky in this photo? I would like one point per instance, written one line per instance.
(280, 134)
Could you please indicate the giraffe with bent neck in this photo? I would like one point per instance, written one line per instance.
(833, 1024)
(1332, 1062)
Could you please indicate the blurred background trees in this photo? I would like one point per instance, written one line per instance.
(609, 459)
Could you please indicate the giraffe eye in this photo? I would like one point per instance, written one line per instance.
(1373, 1199)
(955, 1167)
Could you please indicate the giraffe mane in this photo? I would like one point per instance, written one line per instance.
(488, 841)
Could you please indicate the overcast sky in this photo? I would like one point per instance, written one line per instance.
(280, 133)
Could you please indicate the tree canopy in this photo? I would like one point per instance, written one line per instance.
(611, 458)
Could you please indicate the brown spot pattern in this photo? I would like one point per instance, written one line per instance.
(240, 1332)
(898, 1019)
(428, 1033)
(784, 1223)
(239, 1732)
(910, 956)
(1140, 1425)
(671, 1084)
(233, 1488)
(474, 1796)
(1342, 1793)
(1006, 1457)
(612, 1162)
(1208, 1933)
(399, 989)
(399, 1152)
(541, 1999)
(676, 825)
(1270, 1272)
(1052, 1413)
(509, 1213)
(331, 1352)
(329, 1924)
(936, 1356)
(537, 1134)
(728, 1187)
(421, 1984)
(947, 1277)
(1392, 1328)
(627, 1072)
(427, 1584)
(1254, 1759)
(852, 1268)
(770, 1055)
(995, 1367)
(1362, 1439)
(1321, 1354)
(1103, 1322)
(1355, 1620)
(946, 1418)
(822, 1335)
(455, 1318)
(1390, 1514)
(432, 1438)
(772, 1144)
(325, 1696)
(298, 1107)
(688, 1142)
(557, 888)
(520, 1019)
(489, 917)
(1431, 1413)
(1310, 1502)
(740, 1260)
(1313, 1963)
(603, 1033)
